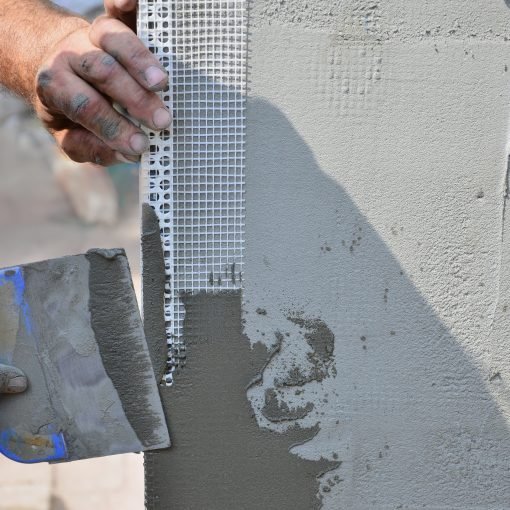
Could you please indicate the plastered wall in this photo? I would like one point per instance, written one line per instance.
(377, 271)
(377, 194)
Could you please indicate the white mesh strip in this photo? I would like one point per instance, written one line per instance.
(193, 175)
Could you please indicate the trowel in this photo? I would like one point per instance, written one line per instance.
(73, 326)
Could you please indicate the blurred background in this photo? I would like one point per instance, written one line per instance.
(51, 207)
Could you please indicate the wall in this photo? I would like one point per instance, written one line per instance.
(377, 272)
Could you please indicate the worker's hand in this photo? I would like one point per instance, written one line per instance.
(12, 380)
(80, 78)
(125, 10)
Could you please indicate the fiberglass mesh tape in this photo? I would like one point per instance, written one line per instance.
(193, 174)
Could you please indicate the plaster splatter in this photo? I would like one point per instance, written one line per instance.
(278, 411)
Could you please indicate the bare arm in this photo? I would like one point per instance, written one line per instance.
(28, 29)
(72, 71)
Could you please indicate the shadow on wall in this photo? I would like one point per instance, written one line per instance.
(402, 406)
(364, 364)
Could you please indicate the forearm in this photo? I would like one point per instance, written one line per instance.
(28, 29)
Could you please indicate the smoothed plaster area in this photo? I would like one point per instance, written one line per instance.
(376, 204)
(376, 291)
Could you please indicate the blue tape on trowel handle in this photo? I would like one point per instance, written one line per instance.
(29, 449)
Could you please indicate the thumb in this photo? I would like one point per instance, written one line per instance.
(12, 380)
(124, 10)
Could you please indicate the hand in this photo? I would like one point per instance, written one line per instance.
(12, 380)
(80, 78)
(124, 10)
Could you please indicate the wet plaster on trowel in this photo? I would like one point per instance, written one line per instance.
(82, 350)
(153, 276)
(119, 335)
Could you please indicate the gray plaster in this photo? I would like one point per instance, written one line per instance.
(153, 279)
(8, 321)
(115, 320)
(376, 204)
(220, 457)
(383, 20)
(277, 411)
(319, 337)
(71, 354)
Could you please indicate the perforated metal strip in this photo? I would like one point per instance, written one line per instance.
(193, 175)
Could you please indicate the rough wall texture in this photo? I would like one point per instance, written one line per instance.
(378, 255)
(377, 187)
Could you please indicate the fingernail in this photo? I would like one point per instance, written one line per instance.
(161, 118)
(155, 76)
(17, 384)
(125, 5)
(125, 159)
(139, 143)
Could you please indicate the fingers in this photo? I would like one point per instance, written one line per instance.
(90, 70)
(120, 5)
(67, 94)
(82, 146)
(106, 74)
(123, 10)
(12, 380)
(113, 37)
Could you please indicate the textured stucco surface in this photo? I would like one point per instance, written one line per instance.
(376, 194)
(377, 262)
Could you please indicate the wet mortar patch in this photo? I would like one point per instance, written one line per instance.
(220, 457)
